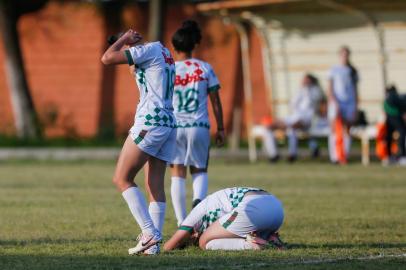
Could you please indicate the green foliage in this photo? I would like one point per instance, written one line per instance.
(60, 215)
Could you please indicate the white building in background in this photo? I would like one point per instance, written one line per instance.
(313, 47)
(300, 36)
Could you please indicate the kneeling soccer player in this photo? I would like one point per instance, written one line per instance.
(232, 219)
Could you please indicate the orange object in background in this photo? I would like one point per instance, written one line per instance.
(339, 145)
(266, 121)
(381, 149)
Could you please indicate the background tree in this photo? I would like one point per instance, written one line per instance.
(26, 120)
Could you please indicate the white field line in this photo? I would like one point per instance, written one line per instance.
(298, 262)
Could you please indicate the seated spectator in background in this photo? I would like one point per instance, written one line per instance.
(319, 127)
(395, 110)
(343, 106)
(303, 107)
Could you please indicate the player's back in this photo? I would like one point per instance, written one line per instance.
(194, 80)
(155, 74)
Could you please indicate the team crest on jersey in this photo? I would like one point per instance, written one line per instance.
(168, 58)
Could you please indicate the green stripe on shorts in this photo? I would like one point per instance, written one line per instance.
(230, 219)
(138, 139)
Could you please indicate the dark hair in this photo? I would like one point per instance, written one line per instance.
(313, 79)
(186, 37)
(391, 88)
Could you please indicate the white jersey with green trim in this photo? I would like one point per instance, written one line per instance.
(195, 79)
(215, 206)
(155, 77)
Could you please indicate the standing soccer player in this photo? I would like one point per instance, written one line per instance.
(343, 106)
(151, 139)
(195, 81)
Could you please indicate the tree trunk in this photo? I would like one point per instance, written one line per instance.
(156, 14)
(111, 12)
(26, 121)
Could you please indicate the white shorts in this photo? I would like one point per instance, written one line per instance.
(192, 147)
(156, 141)
(255, 213)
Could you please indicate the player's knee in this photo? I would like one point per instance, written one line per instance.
(119, 182)
(178, 170)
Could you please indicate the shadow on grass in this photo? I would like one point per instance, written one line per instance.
(188, 261)
(61, 241)
(346, 246)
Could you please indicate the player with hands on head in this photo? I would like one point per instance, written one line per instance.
(195, 83)
(152, 137)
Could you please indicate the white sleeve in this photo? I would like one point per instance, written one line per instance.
(196, 215)
(138, 55)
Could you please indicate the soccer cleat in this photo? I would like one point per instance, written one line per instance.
(275, 241)
(152, 250)
(255, 242)
(145, 241)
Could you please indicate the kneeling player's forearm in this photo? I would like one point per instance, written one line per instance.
(177, 240)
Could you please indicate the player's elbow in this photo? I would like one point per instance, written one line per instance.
(106, 59)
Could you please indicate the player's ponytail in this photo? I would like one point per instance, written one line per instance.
(187, 36)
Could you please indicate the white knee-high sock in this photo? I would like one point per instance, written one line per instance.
(200, 185)
(138, 207)
(157, 213)
(292, 141)
(178, 195)
(228, 244)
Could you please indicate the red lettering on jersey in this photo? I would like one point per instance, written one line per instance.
(194, 77)
(188, 63)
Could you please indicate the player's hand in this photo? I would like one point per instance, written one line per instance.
(131, 37)
(220, 138)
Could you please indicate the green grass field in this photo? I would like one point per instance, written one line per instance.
(56, 215)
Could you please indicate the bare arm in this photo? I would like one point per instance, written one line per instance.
(330, 92)
(114, 54)
(218, 112)
(177, 240)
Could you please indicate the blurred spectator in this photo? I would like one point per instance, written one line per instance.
(343, 106)
(395, 110)
(303, 107)
(319, 127)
